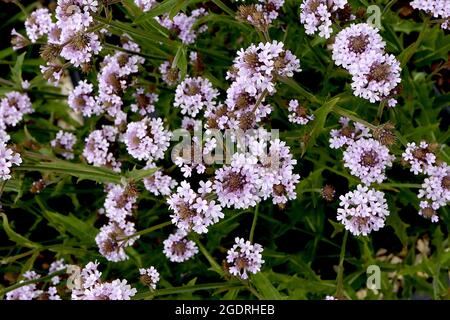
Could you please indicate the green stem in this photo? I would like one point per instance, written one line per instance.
(148, 230)
(252, 230)
(185, 289)
(347, 113)
(25, 283)
(340, 275)
(216, 267)
(224, 7)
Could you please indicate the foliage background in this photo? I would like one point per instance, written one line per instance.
(302, 241)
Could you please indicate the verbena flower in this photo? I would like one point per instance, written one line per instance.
(147, 139)
(171, 76)
(98, 148)
(119, 202)
(178, 248)
(362, 210)
(82, 99)
(145, 5)
(38, 24)
(63, 144)
(145, 102)
(113, 238)
(349, 133)
(420, 157)
(439, 9)
(159, 183)
(193, 95)
(13, 107)
(8, 158)
(260, 15)
(355, 41)
(368, 159)
(149, 277)
(28, 292)
(244, 258)
(299, 114)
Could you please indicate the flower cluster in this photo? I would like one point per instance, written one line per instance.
(193, 95)
(254, 74)
(420, 157)
(170, 75)
(178, 248)
(183, 25)
(99, 147)
(316, 15)
(38, 24)
(191, 210)
(299, 114)
(244, 258)
(92, 288)
(376, 75)
(159, 183)
(13, 107)
(145, 102)
(349, 133)
(8, 157)
(149, 277)
(81, 99)
(439, 9)
(63, 144)
(367, 159)
(145, 5)
(363, 210)
(147, 139)
(31, 291)
(260, 15)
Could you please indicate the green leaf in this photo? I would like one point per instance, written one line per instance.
(265, 287)
(180, 61)
(15, 237)
(16, 71)
(337, 227)
(161, 8)
(139, 174)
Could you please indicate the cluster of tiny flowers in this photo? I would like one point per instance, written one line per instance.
(145, 102)
(38, 24)
(368, 159)
(178, 248)
(349, 133)
(158, 183)
(13, 107)
(254, 73)
(113, 238)
(183, 25)
(8, 157)
(119, 202)
(191, 210)
(298, 114)
(147, 139)
(244, 258)
(376, 75)
(420, 157)
(97, 150)
(193, 95)
(63, 144)
(56, 266)
(114, 78)
(145, 5)
(439, 9)
(92, 288)
(169, 75)
(149, 276)
(31, 291)
(257, 175)
(435, 191)
(262, 14)
(363, 210)
(316, 15)
(81, 99)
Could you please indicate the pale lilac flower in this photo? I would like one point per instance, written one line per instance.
(74, 16)
(159, 183)
(38, 24)
(145, 5)
(299, 114)
(179, 249)
(8, 158)
(149, 276)
(18, 41)
(262, 14)
(237, 185)
(354, 41)
(79, 48)
(244, 258)
(368, 159)
(52, 72)
(28, 292)
(171, 76)
(63, 143)
(315, 15)
(119, 202)
(145, 102)
(81, 99)
(147, 139)
(113, 239)
(183, 25)
(376, 77)
(192, 212)
(439, 9)
(362, 210)
(420, 157)
(97, 150)
(56, 266)
(435, 191)
(13, 107)
(349, 133)
(194, 94)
